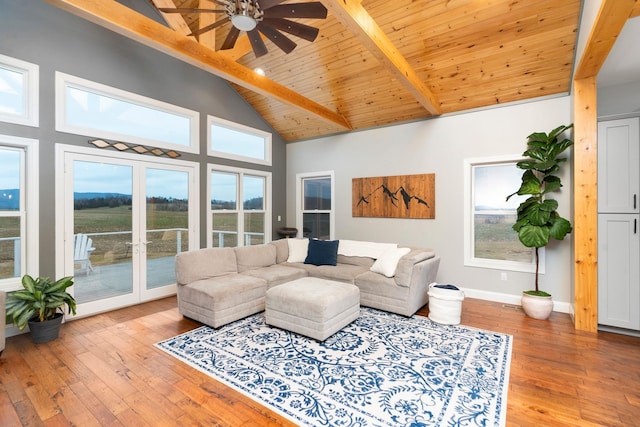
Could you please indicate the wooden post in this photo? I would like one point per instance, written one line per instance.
(585, 192)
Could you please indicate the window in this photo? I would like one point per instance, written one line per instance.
(315, 205)
(87, 108)
(18, 210)
(231, 223)
(490, 241)
(18, 91)
(234, 141)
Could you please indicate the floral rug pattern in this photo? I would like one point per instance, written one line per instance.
(381, 370)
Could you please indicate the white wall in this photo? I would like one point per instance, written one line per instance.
(439, 146)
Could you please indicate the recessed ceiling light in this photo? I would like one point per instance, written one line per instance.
(259, 71)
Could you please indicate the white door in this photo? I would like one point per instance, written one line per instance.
(619, 166)
(125, 220)
(618, 271)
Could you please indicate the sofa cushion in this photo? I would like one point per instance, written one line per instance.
(205, 263)
(282, 250)
(340, 272)
(363, 249)
(297, 249)
(322, 252)
(277, 274)
(224, 292)
(355, 260)
(256, 256)
(387, 262)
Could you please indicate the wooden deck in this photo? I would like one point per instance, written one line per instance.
(115, 279)
(104, 371)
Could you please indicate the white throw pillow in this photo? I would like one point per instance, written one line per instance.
(298, 249)
(388, 261)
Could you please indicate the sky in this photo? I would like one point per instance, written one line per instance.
(93, 177)
(492, 185)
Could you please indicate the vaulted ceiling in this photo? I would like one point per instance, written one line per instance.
(374, 62)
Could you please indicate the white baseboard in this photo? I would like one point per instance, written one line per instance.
(559, 306)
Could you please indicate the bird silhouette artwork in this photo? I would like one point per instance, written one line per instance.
(409, 196)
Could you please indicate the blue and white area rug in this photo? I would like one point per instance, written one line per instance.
(381, 370)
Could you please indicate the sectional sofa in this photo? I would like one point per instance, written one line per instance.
(220, 285)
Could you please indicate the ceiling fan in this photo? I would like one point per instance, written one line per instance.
(268, 17)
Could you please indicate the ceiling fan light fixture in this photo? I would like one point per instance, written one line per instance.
(244, 14)
(243, 22)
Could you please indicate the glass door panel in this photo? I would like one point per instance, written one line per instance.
(102, 230)
(167, 222)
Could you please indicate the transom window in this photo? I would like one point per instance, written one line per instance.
(231, 222)
(238, 142)
(490, 241)
(89, 108)
(18, 91)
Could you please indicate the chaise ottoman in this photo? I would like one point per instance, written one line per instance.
(317, 308)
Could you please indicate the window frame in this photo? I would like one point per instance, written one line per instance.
(300, 211)
(31, 90)
(470, 260)
(29, 210)
(240, 211)
(267, 136)
(64, 81)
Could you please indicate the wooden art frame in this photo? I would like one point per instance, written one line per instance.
(404, 196)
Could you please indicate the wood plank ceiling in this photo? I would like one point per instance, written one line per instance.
(381, 62)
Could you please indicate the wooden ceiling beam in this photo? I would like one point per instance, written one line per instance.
(356, 19)
(174, 20)
(612, 16)
(122, 20)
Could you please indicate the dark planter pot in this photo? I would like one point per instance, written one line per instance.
(45, 331)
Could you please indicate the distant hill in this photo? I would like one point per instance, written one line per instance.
(82, 196)
(10, 199)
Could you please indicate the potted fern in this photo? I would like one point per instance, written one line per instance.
(40, 304)
(538, 220)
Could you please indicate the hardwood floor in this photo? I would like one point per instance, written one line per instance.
(105, 371)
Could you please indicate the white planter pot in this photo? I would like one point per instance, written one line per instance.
(537, 307)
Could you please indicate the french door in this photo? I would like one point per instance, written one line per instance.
(125, 219)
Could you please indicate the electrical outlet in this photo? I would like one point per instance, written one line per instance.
(503, 276)
(279, 218)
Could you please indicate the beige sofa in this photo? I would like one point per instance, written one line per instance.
(219, 285)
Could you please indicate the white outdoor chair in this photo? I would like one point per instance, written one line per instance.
(82, 249)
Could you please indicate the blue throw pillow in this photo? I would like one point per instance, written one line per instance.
(322, 252)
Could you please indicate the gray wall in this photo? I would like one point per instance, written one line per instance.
(33, 31)
(619, 101)
(440, 146)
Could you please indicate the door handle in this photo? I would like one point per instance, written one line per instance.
(635, 226)
(635, 196)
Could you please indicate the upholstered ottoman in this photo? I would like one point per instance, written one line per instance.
(317, 308)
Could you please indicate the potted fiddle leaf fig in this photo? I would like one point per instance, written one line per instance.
(538, 220)
(40, 304)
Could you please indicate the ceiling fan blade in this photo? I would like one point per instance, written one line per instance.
(266, 4)
(210, 27)
(230, 40)
(303, 31)
(257, 44)
(313, 9)
(279, 39)
(188, 10)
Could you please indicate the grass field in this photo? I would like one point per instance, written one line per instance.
(497, 240)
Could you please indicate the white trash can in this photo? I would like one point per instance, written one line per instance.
(445, 304)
